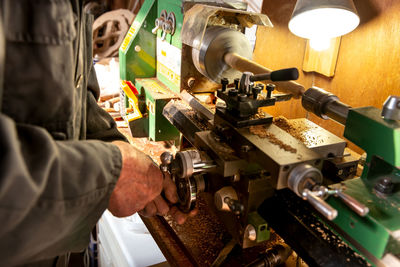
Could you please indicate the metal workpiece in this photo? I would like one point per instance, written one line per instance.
(325, 105)
(216, 42)
(391, 108)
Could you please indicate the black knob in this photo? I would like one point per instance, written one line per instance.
(224, 82)
(256, 90)
(233, 92)
(234, 205)
(270, 88)
(236, 82)
(285, 75)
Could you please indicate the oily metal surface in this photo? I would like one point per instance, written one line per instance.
(217, 41)
(273, 148)
(312, 136)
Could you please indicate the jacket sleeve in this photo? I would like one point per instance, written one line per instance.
(51, 192)
(100, 125)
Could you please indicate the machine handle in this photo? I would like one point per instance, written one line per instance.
(319, 204)
(285, 75)
(277, 75)
(352, 203)
(243, 64)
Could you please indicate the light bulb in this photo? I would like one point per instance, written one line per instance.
(323, 23)
(320, 44)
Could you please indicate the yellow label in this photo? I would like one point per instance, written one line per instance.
(128, 38)
(135, 113)
(169, 74)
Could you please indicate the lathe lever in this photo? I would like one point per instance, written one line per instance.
(352, 203)
(319, 204)
(278, 75)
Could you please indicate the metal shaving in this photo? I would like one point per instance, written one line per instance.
(262, 132)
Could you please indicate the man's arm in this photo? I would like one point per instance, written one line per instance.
(51, 192)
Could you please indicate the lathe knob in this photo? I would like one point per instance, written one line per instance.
(391, 108)
(270, 88)
(220, 196)
(236, 82)
(224, 82)
(257, 90)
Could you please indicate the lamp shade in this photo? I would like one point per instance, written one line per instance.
(322, 19)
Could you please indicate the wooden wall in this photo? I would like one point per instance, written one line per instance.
(368, 65)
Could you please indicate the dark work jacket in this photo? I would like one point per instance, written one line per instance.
(56, 171)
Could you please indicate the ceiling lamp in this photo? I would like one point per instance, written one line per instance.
(321, 20)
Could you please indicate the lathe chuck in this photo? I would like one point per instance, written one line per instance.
(216, 43)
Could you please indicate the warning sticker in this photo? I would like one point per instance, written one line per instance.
(169, 61)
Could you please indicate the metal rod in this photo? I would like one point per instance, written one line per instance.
(352, 203)
(320, 205)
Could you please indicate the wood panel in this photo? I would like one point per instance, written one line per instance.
(323, 62)
(368, 66)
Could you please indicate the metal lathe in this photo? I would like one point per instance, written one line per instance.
(186, 71)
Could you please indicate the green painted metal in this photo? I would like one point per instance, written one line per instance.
(260, 225)
(157, 96)
(176, 7)
(374, 231)
(379, 231)
(174, 40)
(366, 128)
(142, 61)
(137, 56)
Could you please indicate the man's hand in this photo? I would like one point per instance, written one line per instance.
(139, 183)
(160, 206)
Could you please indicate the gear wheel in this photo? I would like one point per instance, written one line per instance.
(109, 31)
